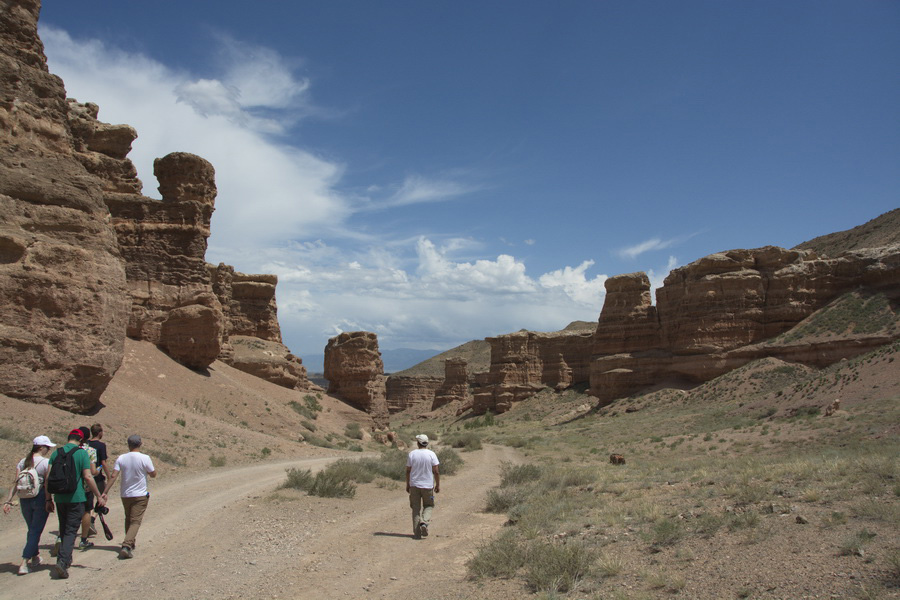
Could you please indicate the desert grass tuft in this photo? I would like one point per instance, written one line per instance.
(557, 567)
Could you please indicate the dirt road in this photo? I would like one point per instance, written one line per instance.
(222, 533)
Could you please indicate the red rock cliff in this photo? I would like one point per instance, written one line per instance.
(63, 309)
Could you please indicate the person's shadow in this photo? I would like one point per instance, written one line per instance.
(397, 535)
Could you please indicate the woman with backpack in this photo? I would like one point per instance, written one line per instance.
(29, 485)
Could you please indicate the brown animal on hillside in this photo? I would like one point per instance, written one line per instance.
(616, 459)
(833, 407)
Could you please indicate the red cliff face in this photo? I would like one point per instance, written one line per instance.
(355, 373)
(715, 314)
(63, 309)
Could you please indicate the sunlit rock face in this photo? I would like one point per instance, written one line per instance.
(714, 314)
(63, 309)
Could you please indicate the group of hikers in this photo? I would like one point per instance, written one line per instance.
(74, 482)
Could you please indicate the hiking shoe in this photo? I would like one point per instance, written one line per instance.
(62, 572)
(85, 544)
(423, 530)
(54, 551)
(126, 552)
(23, 568)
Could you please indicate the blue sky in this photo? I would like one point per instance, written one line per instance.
(438, 172)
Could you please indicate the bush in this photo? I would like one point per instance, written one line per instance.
(467, 441)
(665, 532)
(298, 479)
(302, 410)
(353, 470)
(450, 461)
(214, 461)
(353, 431)
(501, 557)
(557, 567)
(329, 484)
(517, 474)
(486, 421)
(500, 500)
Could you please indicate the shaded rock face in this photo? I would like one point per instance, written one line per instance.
(455, 387)
(62, 305)
(355, 373)
(410, 392)
(713, 315)
(525, 362)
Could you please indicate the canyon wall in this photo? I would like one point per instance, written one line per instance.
(63, 309)
(86, 259)
(718, 312)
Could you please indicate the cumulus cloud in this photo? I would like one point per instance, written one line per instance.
(269, 191)
(576, 285)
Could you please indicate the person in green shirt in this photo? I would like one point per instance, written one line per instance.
(70, 507)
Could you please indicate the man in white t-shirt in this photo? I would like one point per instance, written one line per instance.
(423, 481)
(134, 467)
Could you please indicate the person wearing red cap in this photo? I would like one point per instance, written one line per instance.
(70, 506)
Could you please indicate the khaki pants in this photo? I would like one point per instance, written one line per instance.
(419, 498)
(134, 514)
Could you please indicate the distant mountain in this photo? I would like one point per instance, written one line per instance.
(880, 231)
(477, 354)
(399, 359)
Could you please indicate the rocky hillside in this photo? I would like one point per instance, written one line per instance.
(880, 231)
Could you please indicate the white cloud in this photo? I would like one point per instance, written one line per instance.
(268, 191)
(657, 277)
(576, 285)
(647, 246)
(417, 189)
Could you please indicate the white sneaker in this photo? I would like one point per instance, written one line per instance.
(23, 568)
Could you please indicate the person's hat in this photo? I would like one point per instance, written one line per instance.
(422, 439)
(77, 432)
(43, 440)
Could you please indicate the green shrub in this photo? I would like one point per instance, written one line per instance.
(517, 474)
(303, 411)
(298, 479)
(170, 458)
(467, 441)
(501, 557)
(450, 461)
(216, 461)
(309, 426)
(329, 484)
(181, 422)
(487, 420)
(353, 431)
(665, 532)
(352, 470)
(854, 545)
(557, 567)
(500, 500)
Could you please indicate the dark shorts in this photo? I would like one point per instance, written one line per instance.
(89, 502)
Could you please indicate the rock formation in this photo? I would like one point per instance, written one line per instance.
(455, 387)
(525, 362)
(86, 259)
(406, 392)
(63, 309)
(355, 373)
(714, 314)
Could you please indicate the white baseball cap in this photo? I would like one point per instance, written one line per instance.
(43, 440)
(422, 439)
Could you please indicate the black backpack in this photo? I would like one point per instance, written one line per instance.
(62, 478)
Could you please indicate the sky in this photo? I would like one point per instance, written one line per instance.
(438, 172)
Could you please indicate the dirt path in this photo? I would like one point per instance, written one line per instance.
(222, 533)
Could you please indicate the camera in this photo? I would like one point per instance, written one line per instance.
(103, 510)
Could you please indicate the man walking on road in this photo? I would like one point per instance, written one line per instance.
(134, 467)
(70, 505)
(423, 481)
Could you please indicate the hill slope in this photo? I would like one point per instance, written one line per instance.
(880, 231)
